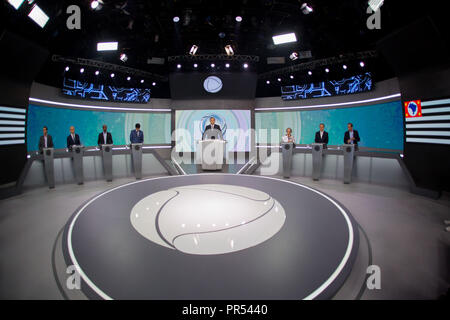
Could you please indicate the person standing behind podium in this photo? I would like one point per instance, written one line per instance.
(212, 124)
(45, 141)
(288, 137)
(322, 136)
(73, 139)
(351, 136)
(104, 137)
(137, 136)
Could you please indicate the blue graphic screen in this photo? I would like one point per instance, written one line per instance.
(88, 124)
(356, 84)
(379, 126)
(102, 92)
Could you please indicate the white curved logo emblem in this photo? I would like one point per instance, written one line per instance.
(212, 84)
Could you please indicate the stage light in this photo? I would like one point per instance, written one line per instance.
(97, 73)
(193, 50)
(362, 64)
(153, 83)
(96, 5)
(195, 65)
(16, 3)
(268, 82)
(38, 16)
(142, 81)
(279, 79)
(291, 76)
(123, 57)
(306, 9)
(212, 65)
(178, 66)
(227, 65)
(128, 78)
(112, 75)
(67, 68)
(82, 70)
(327, 70)
(284, 38)
(310, 73)
(344, 67)
(238, 19)
(245, 65)
(294, 56)
(107, 46)
(229, 50)
(176, 19)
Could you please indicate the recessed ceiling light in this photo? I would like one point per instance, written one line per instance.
(212, 65)
(142, 81)
(245, 65)
(178, 66)
(81, 70)
(310, 73)
(176, 19)
(362, 64)
(344, 67)
(128, 78)
(279, 79)
(327, 70)
(291, 76)
(97, 73)
(227, 65)
(268, 82)
(238, 18)
(195, 65)
(67, 68)
(112, 75)
(153, 83)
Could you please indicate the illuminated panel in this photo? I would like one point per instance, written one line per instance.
(12, 125)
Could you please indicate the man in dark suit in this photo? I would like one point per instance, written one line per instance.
(45, 141)
(212, 124)
(322, 136)
(73, 139)
(137, 136)
(351, 136)
(104, 137)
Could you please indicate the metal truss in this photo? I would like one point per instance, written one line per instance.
(110, 67)
(311, 65)
(215, 57)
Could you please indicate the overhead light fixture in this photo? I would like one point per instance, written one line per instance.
(279, 79)
(16, 3)
(178, 66)
(123, 57)
(291, 76)
(96, 4)
(310, 73)
(112, 75)
(344, 67)
(212, 65)
(227, 65)
(268, 82)
(327, 70)
(142, 81)
(153, 83)
(238, 19)
(97, 73)
(193, 50)
(82, 70)
(229, 50)
(195, 65)
(176, 19)
(306, 9)
(67, 68)
(362, 64)
(38, 16)
(107, 46)
(245, 65)
(284, 38)
(294, 56)
(128, 78)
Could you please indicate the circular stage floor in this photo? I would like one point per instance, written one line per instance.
(211, 236)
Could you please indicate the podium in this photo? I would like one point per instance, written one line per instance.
(136, 155)
(77, 157)
(349, 152)
(287, 151)
(48, 167)
(317, 153)
(213, 152)
(107, 161)
(212, 134)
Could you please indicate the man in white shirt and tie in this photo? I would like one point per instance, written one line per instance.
(104, 137)
(322, 136)
(45, 140)
(73, 139)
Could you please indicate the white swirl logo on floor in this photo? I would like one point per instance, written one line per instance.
(208, 218)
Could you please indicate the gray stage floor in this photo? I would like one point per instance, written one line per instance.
(405, 232)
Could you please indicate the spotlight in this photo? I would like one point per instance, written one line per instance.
(294, 56)
(38, 16)
(229, 50)
(178, 66)
(327, 70)
(123, 57)
(128, 78)
(310, 73)
(67, 69)
(306, 9)
(142, 81)
(195, 65)
(227, 65)
(82, 70)
(344, 67)
(193, 50)
(16, 3)
(245, 65)
(291, 76)
(362, 64)
(284, 38)
(112, 75)
(268, 82)
(212, 65)
(107, 46)
(279, 79)
(238, 19)
(97, 73)
(153, 83)
(176, 19)
(96, 5)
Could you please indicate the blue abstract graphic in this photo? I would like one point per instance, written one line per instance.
(355, 84)
(105, 93)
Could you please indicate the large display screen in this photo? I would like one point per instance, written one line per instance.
(190, 125)
(88, 124)
(227, 85)
(355, 84)
(379, 126)
(85, 90)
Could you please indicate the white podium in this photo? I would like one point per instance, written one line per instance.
(211, 153)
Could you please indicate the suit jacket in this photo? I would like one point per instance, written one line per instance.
(355, 135)
(42, 142)
(216, 126)
(324, 138)
(134, 138)
(101, 140)
(71, 142)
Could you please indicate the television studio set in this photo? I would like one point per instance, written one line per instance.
(226, 158)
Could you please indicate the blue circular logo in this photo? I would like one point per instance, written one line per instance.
(212, 84)
(412, 109)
